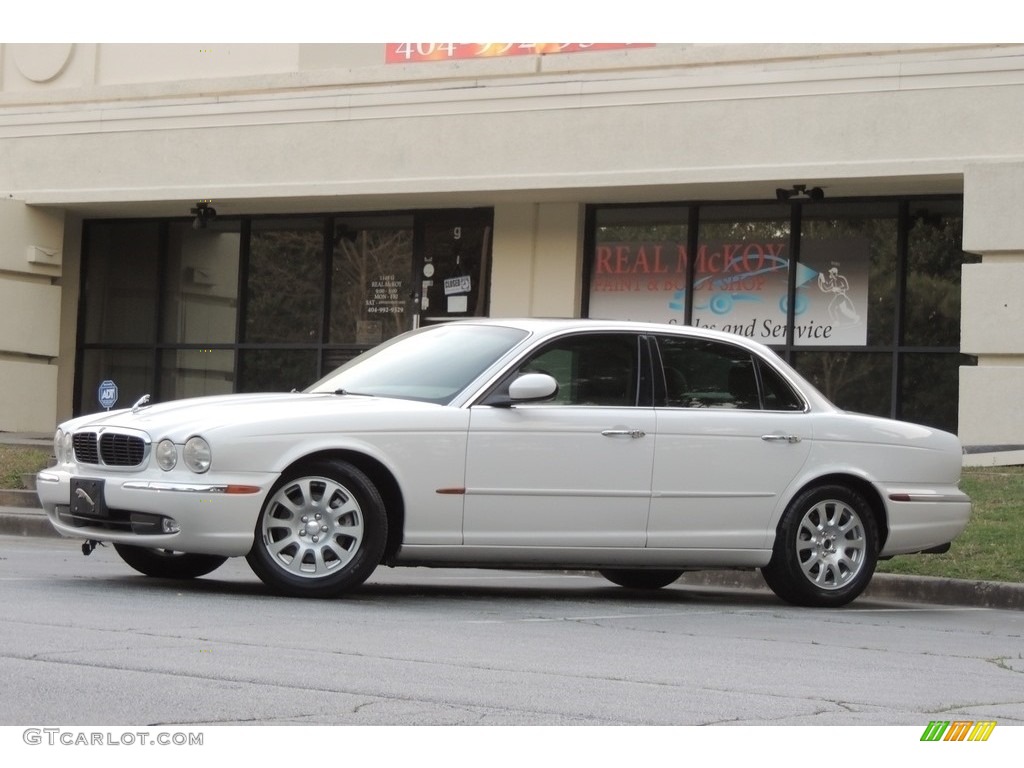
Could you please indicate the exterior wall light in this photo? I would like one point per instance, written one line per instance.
(799, 193)
(204, 213)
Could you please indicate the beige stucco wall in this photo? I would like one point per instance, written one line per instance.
(91, 130)
(992, 315)
(70, 282)
(646, 126)
(31, 263)
(992, 320)
(28, 68)
(537, 257)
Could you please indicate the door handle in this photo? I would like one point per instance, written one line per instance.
(781, 438)
(634, 433)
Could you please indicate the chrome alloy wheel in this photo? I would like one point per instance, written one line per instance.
(831, 544)
(312, 527)
(826, 547)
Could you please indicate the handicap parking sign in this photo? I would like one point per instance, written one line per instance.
(108, 394)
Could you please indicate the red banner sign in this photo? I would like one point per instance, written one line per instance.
(405, 53)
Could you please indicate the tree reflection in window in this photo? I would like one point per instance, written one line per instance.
(285, 285)
(370, 284)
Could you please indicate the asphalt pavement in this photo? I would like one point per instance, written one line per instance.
(20, 515)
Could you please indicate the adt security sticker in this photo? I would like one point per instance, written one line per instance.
(108, 394)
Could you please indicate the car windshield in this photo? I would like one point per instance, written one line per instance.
(432, 364)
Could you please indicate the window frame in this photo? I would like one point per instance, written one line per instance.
(758, 364)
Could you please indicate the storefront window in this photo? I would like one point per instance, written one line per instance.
(741, 276)
(874, 285)
(640, 264)
(929, 390)
(120, 282)
(276, 370)
(201, 296)
(285, 287)
(196, 372)
(852, 250)
(371, 280)
(259, 304)
(131, 370)
(855, 381)
(934, 259)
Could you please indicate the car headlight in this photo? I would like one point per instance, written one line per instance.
(197, 454)
(166, 455)
(58, 446)
(69, 449)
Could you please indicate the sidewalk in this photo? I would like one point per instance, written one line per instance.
(31, 521)
(33, 439)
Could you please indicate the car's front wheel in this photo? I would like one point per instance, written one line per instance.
(640, 578)
(826, 548)
(321, 532)
(168, 564)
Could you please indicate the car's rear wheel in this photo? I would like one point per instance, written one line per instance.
(826, 548)
(321, 532)
(168, 564)
(640, 578)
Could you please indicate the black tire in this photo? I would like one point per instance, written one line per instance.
(826, 548)
(640, 578)
(167, 564)
(321, 531)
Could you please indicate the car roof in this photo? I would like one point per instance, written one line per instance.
(543, 326)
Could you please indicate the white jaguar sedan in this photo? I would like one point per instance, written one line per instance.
(637, 450)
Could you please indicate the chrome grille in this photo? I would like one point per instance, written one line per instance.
(86, 451)
(112, 449)
(118, 450)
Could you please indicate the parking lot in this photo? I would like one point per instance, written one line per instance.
(87, 640)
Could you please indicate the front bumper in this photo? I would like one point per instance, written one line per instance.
(213, 515)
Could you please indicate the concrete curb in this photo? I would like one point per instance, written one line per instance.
(19, 499)
(887, 586)
(15, 521)
(25, 521)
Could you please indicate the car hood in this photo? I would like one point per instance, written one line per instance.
(264, 413)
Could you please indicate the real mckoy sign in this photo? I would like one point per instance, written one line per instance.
(741, 287)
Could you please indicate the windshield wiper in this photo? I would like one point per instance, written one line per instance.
(350, 392)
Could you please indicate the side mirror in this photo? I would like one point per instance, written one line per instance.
(532, 388)
(528, 388)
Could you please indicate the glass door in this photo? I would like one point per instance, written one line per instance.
(371, 279)
(454, 264)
